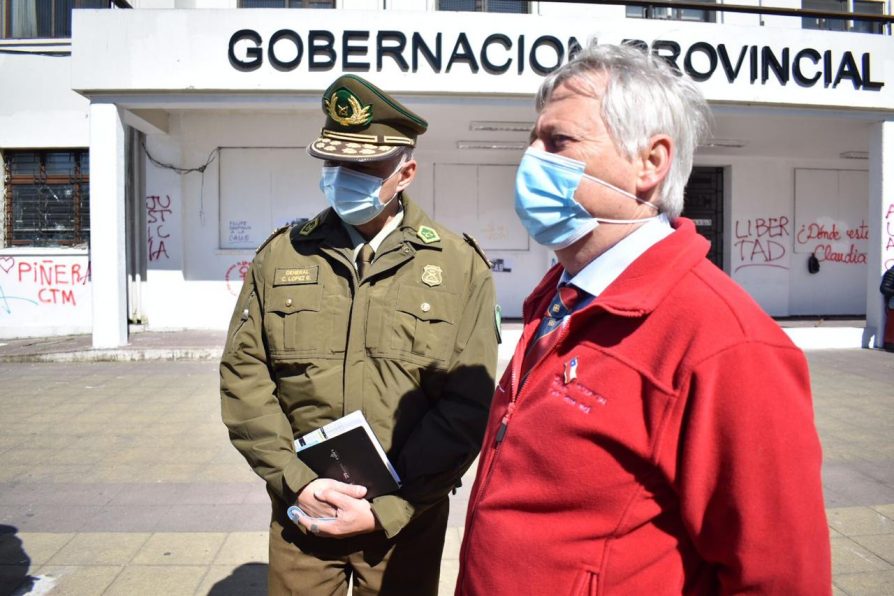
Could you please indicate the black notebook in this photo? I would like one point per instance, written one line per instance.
(347, 450)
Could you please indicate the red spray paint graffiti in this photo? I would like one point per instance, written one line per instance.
(888, 231)
(761, 241)
(834, 244)
(236, 272)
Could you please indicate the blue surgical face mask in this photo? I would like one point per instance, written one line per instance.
(544, 199)
(354, 195)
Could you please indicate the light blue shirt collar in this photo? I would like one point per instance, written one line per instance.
(606, 268)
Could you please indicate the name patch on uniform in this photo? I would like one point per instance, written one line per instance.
(297, 276)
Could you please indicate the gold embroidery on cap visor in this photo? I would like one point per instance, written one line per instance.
(358, 146)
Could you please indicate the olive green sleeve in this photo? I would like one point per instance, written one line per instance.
(448, 438)
(249, 407)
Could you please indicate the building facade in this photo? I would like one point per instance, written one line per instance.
(147, 155)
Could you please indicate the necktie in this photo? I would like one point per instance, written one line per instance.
(363, 260)
(567, 299)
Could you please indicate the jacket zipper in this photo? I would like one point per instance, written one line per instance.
(501, 431)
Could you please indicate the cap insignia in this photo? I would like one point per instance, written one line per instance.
(432, 275)
(345, 108)
(427, 234)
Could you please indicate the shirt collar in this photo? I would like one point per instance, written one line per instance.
(376, 241)
(604, 269)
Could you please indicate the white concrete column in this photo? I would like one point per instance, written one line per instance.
(881, 227)
(107, 229)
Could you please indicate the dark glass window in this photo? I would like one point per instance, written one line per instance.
(672, 14)
(47, 197)
(36, 19)
(513, 6)
(865, 6)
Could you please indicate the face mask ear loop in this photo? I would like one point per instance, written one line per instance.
(625, 221)
(403, 160)
(616, 189)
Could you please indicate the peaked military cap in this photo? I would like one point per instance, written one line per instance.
(363, 123)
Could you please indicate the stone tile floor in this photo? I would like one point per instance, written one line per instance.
(118, 478)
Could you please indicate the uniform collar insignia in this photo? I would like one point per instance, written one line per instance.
(427, 234)
(309, 227)
(345, 108)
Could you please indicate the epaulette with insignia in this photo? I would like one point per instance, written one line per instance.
(309, 226)
(474, 244)
(275, 233)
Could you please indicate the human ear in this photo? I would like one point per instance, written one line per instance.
(654, 164)
(406, 175)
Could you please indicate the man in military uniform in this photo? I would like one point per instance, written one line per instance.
(369, 306)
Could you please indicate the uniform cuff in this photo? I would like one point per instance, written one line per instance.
(393, 513)
(295, 477)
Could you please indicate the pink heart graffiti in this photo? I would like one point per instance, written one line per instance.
(7, 263)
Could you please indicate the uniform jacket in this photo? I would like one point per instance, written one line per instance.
(665, 446)
(413, 345)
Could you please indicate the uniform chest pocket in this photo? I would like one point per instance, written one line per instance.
(294, 322)
(424, 323)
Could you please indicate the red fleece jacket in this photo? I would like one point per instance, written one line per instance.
(680, 457)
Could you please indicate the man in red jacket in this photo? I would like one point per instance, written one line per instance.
(654, 431)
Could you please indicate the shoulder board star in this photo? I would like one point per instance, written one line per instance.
(471, 241)
(427, 234)
(273, 235)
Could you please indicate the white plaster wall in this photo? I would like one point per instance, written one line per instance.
(197, 286)
(183, 50)
(44, 292)
(194, 283)
(760, 254)
(360, 4)
(761, 246)
(410, 4)
(38, 109)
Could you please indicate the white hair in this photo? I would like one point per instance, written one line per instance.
(644, 96)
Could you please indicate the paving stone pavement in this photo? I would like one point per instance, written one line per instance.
(118, 478)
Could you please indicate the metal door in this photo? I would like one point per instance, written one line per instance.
(703, 204)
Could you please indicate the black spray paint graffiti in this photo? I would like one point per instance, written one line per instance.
(157, 211)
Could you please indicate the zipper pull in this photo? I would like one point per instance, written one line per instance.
(504, 423)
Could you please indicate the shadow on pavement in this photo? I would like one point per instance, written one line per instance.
(14, 563)
(246, 580)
